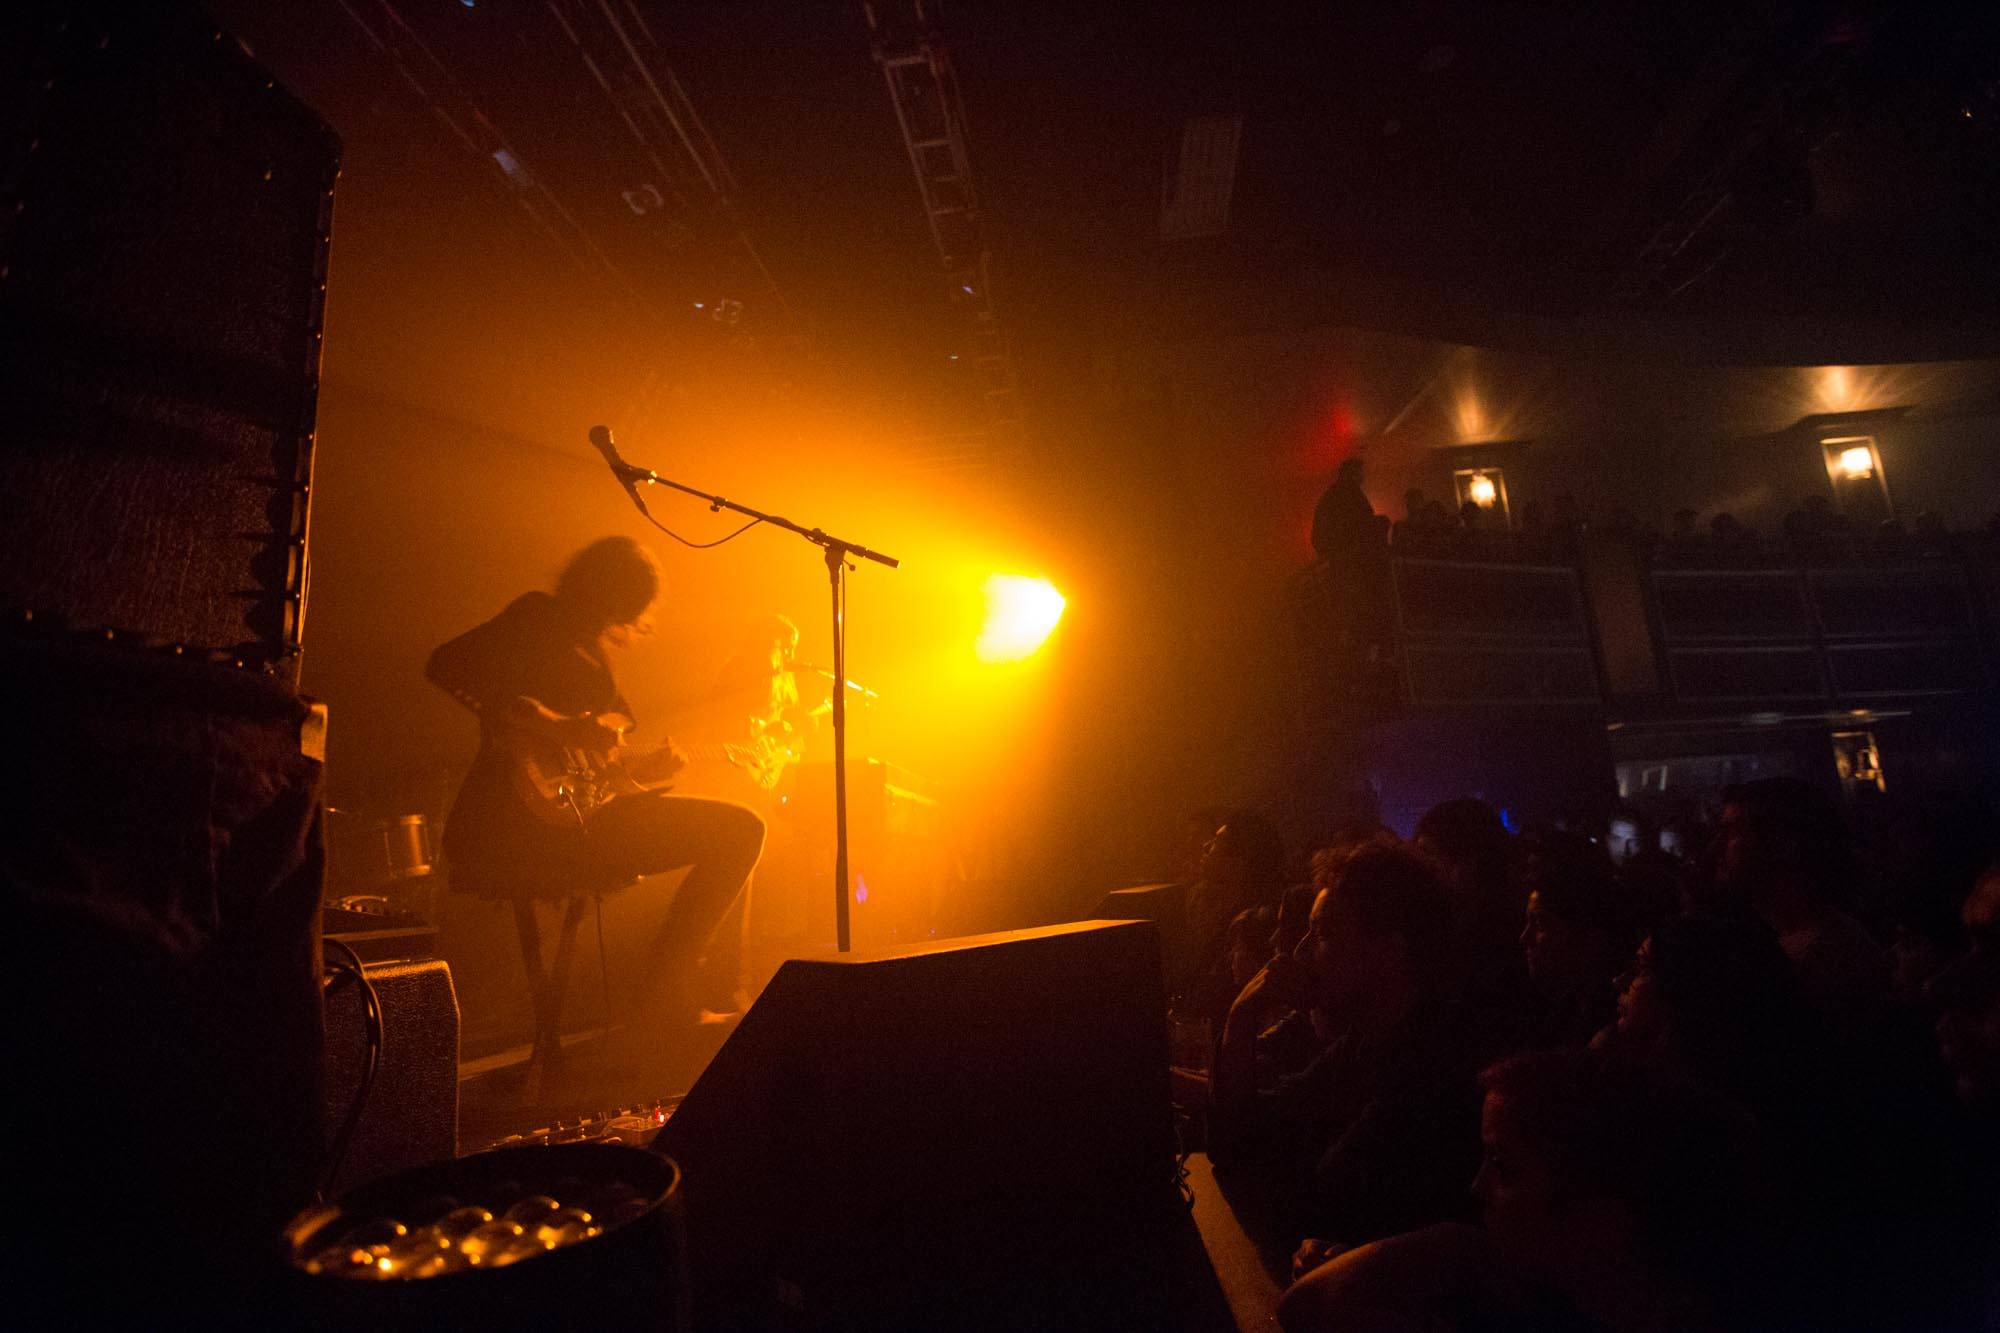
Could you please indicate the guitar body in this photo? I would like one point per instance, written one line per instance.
(561, 787)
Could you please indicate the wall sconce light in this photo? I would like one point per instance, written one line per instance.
(1854, 467)
(1858, 761)
(1483, 487)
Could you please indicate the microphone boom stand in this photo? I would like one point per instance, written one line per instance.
(837, 552)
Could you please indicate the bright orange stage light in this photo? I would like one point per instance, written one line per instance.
(1021, 613)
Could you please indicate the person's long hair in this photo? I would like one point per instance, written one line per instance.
(609, 582)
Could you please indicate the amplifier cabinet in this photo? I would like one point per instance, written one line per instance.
(412, 1112)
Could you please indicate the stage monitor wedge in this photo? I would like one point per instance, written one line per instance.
(889, 1139)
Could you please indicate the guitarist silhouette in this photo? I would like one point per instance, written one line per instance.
(547, 811)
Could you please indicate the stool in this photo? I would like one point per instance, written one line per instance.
(548, 986)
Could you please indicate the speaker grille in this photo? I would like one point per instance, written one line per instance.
(161, 314)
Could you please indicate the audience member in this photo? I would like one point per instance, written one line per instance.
(1610, 1199)
(1584, 924)
(1729, 532)
(1470, 844)
(1782, 851)
(1857, 1145)
(1487, 977)
(1374, 1136)
(1240, 870)
(1813, 521)
(1920, 851)
(1715, 999)
(1624, 525)
(1197, 830)
(1621, 1191)
(1293, 914)
(1924, 900)
(1344, 523)
(1967, 997)
(1627, 835)
(1682, 837)
(1416, 507)
(1249, 944)
(1293, 1038)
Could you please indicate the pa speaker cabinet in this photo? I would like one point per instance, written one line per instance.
(899, 1139)
(412, 1112)
(163, 249)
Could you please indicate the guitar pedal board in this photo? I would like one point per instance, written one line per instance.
(633, 1126)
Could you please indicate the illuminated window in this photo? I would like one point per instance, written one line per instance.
(1484, 487)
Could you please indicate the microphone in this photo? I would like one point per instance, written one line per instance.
(601, 437)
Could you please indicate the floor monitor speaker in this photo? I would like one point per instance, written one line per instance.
(942, 1137)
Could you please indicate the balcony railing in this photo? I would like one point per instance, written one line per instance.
(1521, 627)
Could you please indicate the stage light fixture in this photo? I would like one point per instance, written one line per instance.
(1856, 463)
(1482, 490)
(1021, 613)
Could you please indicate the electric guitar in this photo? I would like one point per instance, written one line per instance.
(561, 785)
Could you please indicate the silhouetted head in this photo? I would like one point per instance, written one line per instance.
(1249, 943)
(1245, 854)
(776, 631)
(1967, 996)
(1383, 925)
(1589, 1164)
(1781, 832)
(1293, 914)
(1467, 839)
(610, 585)
(1195, 832)
(1582, 924)
(1716, 998)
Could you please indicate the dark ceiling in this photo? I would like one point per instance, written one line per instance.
(1698, 181)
